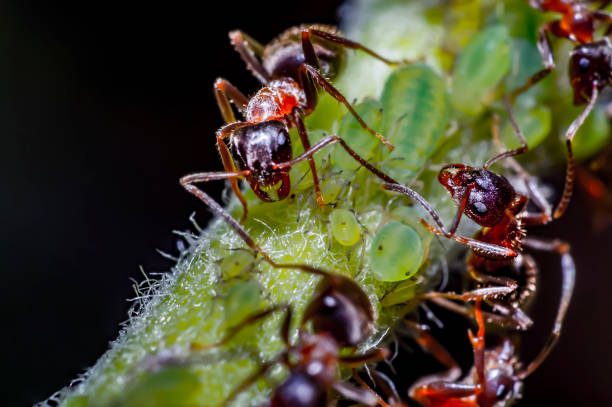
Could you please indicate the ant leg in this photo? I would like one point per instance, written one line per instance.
(366, 397)
(225, 93)
(568, 268)
(490, 279)
(495, 131)
(231, 332)
(335, 93)
(478, 344)
(473, 295)
(388, 387)
(568, 188)
(306, 33)
(368, 389)
(228, 161)
(547, 58)
(313, 169)
(488, 250)
(442, 390)
(249, 49)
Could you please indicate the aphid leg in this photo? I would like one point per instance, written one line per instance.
(568, 188)
(568, 268)
(225, 93)
(335, 93)
(495, 132)
(348, 44)
(547, 59)
(228, 162)
(249, 50)
(232, 331)
(306, 143)
(488, 250)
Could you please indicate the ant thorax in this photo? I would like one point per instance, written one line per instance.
(275, 101)
(319, 357)
(590, 65)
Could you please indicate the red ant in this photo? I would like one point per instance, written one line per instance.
(495, 379)
(590, 66)
(341, 316)
(292, 69)
(490, 200)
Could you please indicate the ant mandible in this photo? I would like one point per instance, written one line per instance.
(341, 316)
(590, 65)
(492, 202)
(292, 69)
(495, 378)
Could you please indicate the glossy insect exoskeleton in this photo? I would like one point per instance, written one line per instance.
(590, 65)
(292, 69)
(497, 258)
(341, 317)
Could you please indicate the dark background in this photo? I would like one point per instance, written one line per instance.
(103, 106)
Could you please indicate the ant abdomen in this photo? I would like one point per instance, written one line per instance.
(489, 194)
(590, 65)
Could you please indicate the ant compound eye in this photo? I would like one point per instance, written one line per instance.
(479, 208)
(584, 64)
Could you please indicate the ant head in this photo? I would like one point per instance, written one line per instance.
(257, 148)
(489, 194)
(590, 65)
(341, 309)
(501, 384)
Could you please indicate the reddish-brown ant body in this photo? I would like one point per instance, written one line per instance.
(494, 380)
(496, 250)
(341, 315)
(590, 65)
(292, 69)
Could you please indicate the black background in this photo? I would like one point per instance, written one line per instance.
(103, 107)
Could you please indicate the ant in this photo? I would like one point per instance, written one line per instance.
(492, 202)
(495, 378)
(590, 65)
(341, 315)
(292, 69)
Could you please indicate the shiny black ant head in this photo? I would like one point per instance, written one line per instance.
(341, 309)
(489, 196)
(590, 65)
(283, 56)
(257, 148)
(501, 384)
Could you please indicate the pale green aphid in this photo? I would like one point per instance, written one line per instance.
(396, 252)
(416, 109)
(534, 123)
(482, 64)
(360, 140)
(235, 263)
(593, 135)
(242, 299)
(344, 227)
(168, 386)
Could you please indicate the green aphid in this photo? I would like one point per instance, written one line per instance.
(242, 299)
(344, 227)
(168, 387)
(482, 64)
(396, 252)
(235, 263)
(535, 125)
(593, 135)
(415, 116)
(360, 140)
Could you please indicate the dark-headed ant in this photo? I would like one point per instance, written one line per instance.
(292, 69)
(590, 65)
(341, 315)
(495, 378)
(496, 257)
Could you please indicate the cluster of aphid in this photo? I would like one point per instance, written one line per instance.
(293, 69)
